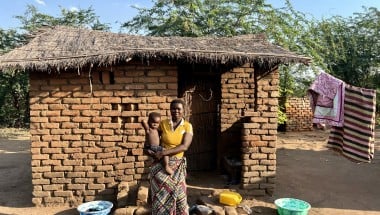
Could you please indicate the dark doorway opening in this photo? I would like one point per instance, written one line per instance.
(199, 85)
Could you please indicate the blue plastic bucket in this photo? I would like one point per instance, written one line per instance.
(95, 208)
(291, 206)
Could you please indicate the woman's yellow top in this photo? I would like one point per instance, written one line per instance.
(171, 138)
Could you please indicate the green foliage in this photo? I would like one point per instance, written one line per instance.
(208, 17)
(347, 48)
(9, 39)
(284, 26)
(14, 99)
(14, 86)
(350, 48)
(33, 19)
(281, 117)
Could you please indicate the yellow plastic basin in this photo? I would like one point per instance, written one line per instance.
(230, 198)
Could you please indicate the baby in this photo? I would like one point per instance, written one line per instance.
(152, 138)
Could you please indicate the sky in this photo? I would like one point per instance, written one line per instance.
(115, 12)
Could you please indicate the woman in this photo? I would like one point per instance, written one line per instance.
(168, 193)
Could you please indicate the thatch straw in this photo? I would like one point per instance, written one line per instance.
(66, 48)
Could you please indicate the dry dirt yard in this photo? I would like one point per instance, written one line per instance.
(305, 170)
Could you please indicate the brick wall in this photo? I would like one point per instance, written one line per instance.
(249, 118)
(83, 144)
(86, 136)
(299, 114)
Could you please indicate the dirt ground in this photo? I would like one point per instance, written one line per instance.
(305, 170)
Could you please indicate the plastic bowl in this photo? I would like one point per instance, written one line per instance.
(95, 208)
(291, 206)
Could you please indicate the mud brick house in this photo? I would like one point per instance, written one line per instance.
(89, 90)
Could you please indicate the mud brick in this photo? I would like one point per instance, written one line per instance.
(218, 210)
(71, 137)
(142, 195)
(68, 125)
(96, 186)
(41, 169)
(99, 119)
(35, 151)
(95, 174)
(76, 186)
(268, 162)
(89, 198)
(41, 193)
(51, 150)
(267, 173)
(128, 210)
(258, 168)
(59, 144)
(112, 138)
(81, 131)
(137, 151)
(251, 174)
(109, 100)
(105, 180)
(128, 177)
(64, 156)
(268, 150)
(35, 163)
(105, 155)
(62, 168)
(83, 180)
(231, 210)
(142, 210)
(61, 181)
(53, 175)
(53, 200)
(112, 161)
(259, 156)
(98, 131)
(89, 150)
(72, 162)
(122, 198)
(37, 201)
(249, 162)
(52, 187)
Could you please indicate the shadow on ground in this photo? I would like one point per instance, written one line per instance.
(320, 176)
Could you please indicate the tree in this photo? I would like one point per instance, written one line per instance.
(33, 19)
(14, 86)
(14, 105)
(14, 98)
(209, 17)
(284, 26)
(350, 49)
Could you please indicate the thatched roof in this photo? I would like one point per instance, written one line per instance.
(66, 47)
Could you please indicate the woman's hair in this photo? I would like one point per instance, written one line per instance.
(177, 101)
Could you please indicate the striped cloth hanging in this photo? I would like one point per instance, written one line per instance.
(356, 138)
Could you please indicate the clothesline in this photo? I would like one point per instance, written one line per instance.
(350, 111)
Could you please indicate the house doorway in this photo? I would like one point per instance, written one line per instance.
(199, 85)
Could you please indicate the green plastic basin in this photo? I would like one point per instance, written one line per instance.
(291, 206)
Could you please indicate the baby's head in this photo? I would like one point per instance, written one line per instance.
(154, 120)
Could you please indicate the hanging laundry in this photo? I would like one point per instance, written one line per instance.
(326, 100)
(356, 138)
